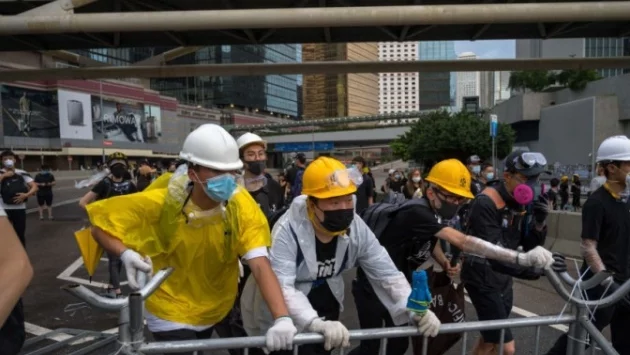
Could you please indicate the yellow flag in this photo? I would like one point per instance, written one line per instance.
(91, 251)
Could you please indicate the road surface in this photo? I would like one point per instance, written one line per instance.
(56, 259)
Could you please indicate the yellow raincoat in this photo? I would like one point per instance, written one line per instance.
(202, 289)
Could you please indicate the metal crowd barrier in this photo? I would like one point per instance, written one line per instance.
(131, 322)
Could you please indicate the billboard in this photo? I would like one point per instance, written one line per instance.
(118, 122)
(75, 118)
(29, 113)
(152, 124)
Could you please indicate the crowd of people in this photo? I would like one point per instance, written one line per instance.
(256, 256)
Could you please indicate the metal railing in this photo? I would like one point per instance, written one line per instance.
(131, 323)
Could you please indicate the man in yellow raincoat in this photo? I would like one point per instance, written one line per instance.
(200, 223)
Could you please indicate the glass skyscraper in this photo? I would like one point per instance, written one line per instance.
(437, 90)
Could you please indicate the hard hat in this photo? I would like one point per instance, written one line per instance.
(327, 177)
(616, 148)
(249, 138)
(116, 158)
(213, 147)
(452, 176)
(564, 178)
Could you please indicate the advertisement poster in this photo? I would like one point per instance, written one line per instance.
(118, 122)
(152, 124)
(29, 113)
(75, 119)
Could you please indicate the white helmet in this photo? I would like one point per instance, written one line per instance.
(213, 147)
(615, 148)
(249, 138)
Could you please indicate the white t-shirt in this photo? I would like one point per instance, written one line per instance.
(27, 180)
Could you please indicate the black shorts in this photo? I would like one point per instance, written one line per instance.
(45, 199)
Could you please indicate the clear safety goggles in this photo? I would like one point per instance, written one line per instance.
(344, 178)
(529, 160)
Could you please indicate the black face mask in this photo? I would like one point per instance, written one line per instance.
(447, 210)
(337, 220)
(256, 167)
(118, 171)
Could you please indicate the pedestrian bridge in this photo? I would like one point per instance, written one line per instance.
(372, 135)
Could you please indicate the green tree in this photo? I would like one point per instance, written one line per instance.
(441, 135)
(576, 80)
(539, 80)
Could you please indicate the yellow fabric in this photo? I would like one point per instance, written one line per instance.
(160, 183)
(452, 176)
(91, 251)
(203, 286)
(316, 180)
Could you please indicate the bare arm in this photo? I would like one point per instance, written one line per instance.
(16, 271)
(87, 199)
(109, 243)
(269, 286)
(588, 247)
(32, 188)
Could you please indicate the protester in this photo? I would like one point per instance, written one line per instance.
(45, 181)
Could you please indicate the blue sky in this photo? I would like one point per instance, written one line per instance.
(487, 49)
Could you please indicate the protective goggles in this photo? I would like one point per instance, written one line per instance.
(344, 178)
(529, 160)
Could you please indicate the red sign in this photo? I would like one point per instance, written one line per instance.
(69, 158)
(108, 143)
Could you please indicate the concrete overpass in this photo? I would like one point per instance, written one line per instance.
(357, 137)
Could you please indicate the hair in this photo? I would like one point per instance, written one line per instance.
(554, 182)
(485, 166)
(359, 159)
(410, 184)
(7, 153)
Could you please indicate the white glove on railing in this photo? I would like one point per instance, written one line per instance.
(280, 335)
(133, 263)
(334, 332)
(538, 257)
(428, 324)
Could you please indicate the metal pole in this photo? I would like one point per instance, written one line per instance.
(333, 67)
(593, 152)
(100, 82)
(318, 17)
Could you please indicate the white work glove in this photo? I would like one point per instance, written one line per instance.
(280, 335)
(538, 257)
(335, 333)
(133, 263)
(428, 324)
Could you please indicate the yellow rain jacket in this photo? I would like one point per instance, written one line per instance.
(202, 289)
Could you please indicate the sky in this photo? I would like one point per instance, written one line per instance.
(487, 49)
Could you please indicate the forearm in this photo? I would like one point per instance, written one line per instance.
(269, 286)
(16, 271)
(33, 189)
(477, 246)
(438, 255)
(588, 247)
(110, 244)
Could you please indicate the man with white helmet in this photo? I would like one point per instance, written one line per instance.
(200, 224)
(606, 242)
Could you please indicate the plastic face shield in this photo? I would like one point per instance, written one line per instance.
(344, 178)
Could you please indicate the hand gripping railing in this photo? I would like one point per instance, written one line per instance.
(577, 331)
(131, 318)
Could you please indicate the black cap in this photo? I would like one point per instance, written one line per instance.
(514, 162)
(300, 157)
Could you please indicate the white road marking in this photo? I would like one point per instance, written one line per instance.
(62, 203)
(66, 275)
(37, 331)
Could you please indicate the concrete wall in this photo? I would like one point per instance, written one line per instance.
(522, 107)
(564, 233)
(377, 134)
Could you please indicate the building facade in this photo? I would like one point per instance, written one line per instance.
(339, 95)
(468, 83)
(398, 92)
(437, 90)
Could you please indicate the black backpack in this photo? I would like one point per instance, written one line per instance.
(379, 215)
(11, 186)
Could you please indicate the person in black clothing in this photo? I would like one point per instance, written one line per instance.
(576, 193)
(45, 180)
(395, 182)
(474, 166)
(365, 192)
(497, 217)
(111, 186)
(564, 192)
(605, 243)
(552, 195)
(144, 175)
(413, 187)
(291, 174)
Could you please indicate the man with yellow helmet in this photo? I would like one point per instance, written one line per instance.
(318, 238)
(410, 236)
(200, 223)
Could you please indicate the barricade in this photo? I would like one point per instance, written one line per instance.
(131, 323)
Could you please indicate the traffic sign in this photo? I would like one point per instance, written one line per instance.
(108, 143)
(494, 125)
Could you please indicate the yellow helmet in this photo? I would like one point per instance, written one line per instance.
(327, 177)
(564, 178)
(452, 176)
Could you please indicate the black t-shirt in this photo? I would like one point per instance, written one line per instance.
(607, 221)
(109, 188)
(409, 239)
(476, 186)
(42, 178)
(320, 296)
(397, 185)
(364, 192)
(270, 197)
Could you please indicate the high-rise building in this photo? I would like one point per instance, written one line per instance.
(339, 95)
(274, 94)
(468, 83)
(575, 48)
(398, 92)
(437, 89)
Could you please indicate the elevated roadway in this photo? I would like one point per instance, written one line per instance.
(367, 136)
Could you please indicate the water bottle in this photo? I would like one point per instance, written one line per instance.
(420, 298)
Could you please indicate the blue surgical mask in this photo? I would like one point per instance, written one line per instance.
(220, 188)
(489, 176)
(476, 169)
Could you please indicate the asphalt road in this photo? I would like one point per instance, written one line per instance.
(54, 254)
